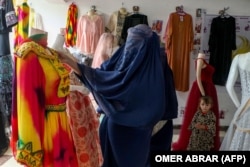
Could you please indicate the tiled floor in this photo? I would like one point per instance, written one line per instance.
(8, 161)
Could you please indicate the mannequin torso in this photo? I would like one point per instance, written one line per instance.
(240, 62)
(123, 11)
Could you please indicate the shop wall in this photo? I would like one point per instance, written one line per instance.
(54, 14)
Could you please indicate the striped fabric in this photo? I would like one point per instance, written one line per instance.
(71, 25)
(22, 28)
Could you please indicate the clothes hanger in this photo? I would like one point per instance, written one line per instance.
(123, 10)
(179, 10)
(136, 9)
(92, 11)
(223, 13)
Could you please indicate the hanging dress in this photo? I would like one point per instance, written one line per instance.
(222, 41)
(71, 26)
(179, 43)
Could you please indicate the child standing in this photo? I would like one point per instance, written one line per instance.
(203, 126)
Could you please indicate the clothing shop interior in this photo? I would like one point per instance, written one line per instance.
(112, 83)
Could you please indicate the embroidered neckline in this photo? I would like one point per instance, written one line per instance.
(23, 50)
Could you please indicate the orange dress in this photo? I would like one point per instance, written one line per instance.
(179, 43)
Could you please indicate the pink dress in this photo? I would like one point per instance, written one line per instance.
(89, 31)
(103, 49)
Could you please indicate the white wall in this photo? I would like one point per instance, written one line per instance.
(54, 13)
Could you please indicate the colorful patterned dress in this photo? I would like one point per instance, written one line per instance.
(22, 28)
(84, 124)
(41, 135)
(71, 26)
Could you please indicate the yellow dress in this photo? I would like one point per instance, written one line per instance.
(41, 135)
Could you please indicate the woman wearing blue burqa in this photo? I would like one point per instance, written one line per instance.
(134, 89)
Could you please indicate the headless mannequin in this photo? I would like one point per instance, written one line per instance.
(44, 41)
(201, 86)
(59, 46)
(200, 66)
(92, 12)
(136, 9)
(239, 125)
(123, 11)
(240, 61)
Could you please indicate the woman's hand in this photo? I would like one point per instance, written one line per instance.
(65, 56)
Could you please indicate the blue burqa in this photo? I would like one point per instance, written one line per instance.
(135, 90)
(129, 88)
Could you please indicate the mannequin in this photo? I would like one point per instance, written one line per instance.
(92, 12)
(132, 20)
(39, 106)
(123, 11)
(115, 24)
(202, 86)
(136, 9)
(81, 117)
(239, 126)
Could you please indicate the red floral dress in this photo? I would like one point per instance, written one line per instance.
(84, 124)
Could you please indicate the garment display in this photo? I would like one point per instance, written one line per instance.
(115, 24)
(178, 44)
(84, 124)
(39, 107)
(238, 134)
(83, 119)
(191, 107)
(89, 29)
(71, 26)
(21, 31)
(103, 50)
(222, 41)
(132, 20)
(7, 21)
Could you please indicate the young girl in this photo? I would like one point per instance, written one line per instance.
(203, 126)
